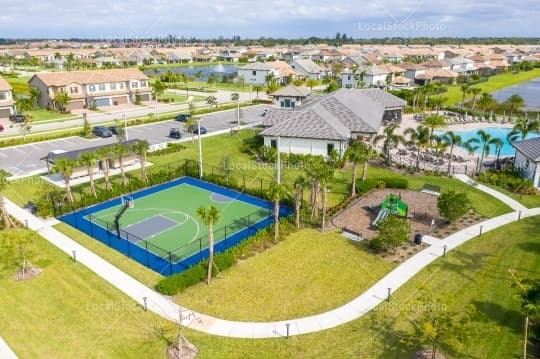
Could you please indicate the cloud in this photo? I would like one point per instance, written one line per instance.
(122, 18)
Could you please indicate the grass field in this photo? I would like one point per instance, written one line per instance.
(308, 273)
(19, 84)
(497, 82)
(167, 220)
(69, 312)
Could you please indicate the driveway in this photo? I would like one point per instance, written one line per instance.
(24, 160)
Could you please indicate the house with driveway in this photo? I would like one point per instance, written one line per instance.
(527, 159)
(7, 103)
(88, 89)
(327, 123)
(257, 72)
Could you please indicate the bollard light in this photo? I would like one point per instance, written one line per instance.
(481, 228)
(388, 296)
(145, 304)
(519, 215)
(26, 222)
(288, 325)
(444, 250)
(74, 256)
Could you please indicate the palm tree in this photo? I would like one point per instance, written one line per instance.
(513, 103)
(89, 159)
(325, 174)
(121, 151)
(452, 140)
(475, 91)
(299, 184)
(34, 97)
(105, 154)
(209, 216)
(159, 88)
(258, 88)
(434, 122)
(464, 90)
(358, 153)
(390, 139)
(311, 83)
(522, 128)
(65, 166)
(141, 149)
(499, 144)
(484, 139)
(5, 215)
(276, 193)
(419, 137)
(486, 100)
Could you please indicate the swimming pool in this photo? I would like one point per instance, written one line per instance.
(499, 132)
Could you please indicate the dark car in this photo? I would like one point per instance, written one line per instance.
(175, 133)
(183, 117)
(194, 129)
(101, 131)
(265, 111)
(17, 118)
(116, 130)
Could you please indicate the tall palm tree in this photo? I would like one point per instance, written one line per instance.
(359, 153)
(34, 97)
(105, 154)
(5, 215)
(276, 193)
(464, 91)
(471, 148)
(499, 144)
(419, 137)
(452, 140)
(209, 216)
(299, 184)
(513, 103)
(65, 167)
(325, 173)
(390, 139)
(90, 159)
(485, 140)
(485, 101)
(434, 122)
(475, 92)
(257, 89)
(120, 152)
(141, 149)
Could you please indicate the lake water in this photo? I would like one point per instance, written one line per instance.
(507, 150)
(217, 70)
(530, 91)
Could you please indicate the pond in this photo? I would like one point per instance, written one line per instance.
(529, 90)
(230, 71)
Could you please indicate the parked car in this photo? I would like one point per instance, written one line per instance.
(116, 130)
(194, 129)
(17, 118)
(1, 127)
(183, 117)
(175, 133)
(31, 207)
(101, 131)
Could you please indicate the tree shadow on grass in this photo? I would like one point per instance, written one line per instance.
(530, 247)
(464, 263)
(502, 316)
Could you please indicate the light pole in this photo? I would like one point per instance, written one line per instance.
(200, 149)
(444, 250)
(156, 110)
(125, 127)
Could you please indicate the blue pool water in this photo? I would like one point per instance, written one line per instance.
(501, 133)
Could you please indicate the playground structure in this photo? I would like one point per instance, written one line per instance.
(391, 205)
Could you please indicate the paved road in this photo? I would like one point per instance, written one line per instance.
(356, 308)
(96, 118)
(25, 160)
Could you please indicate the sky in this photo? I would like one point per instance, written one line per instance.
(105, 19)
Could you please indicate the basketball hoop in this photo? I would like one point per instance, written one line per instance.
(128, 202)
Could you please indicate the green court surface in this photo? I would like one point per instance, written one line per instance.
(166, 221)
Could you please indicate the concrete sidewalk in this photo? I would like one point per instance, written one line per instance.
(5, 350)
(211, 325)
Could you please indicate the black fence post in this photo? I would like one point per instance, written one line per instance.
(91, 225)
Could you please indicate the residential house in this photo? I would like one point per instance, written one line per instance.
(511, 57)
(394, 57)
(7, 104)
(328, 55)
(326, 123)
(437, 76)
(291, 96)
(527, 159)
(437, 65)
(87, 89)
(393, 70)
(354, 61)
(105, 61)
(308, 68)
(412, 70)
(229, 55)
(257, 73)
(286, 73)
(462, 66)
(365, 76)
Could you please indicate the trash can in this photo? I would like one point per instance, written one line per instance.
(417, 238)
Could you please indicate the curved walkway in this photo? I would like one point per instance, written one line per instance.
(5, 350)
(211, 325)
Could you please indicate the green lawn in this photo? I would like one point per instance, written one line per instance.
(19, 84)
(69, 312)
(309, 273)
(47, 115)
(529, 201)
(475, 274)
(23, 190)
(497, 82)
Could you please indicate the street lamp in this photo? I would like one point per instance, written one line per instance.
(200, 149)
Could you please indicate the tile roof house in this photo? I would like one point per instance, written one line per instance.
(7, 104)
(527, 159)
(87, 89)
(291, 96)
(329, 122)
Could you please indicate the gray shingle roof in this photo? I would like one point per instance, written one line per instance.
(257, 66)
(308, 124)
(309, 66)
(530, 148)
(292, 91)
(386, 99)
